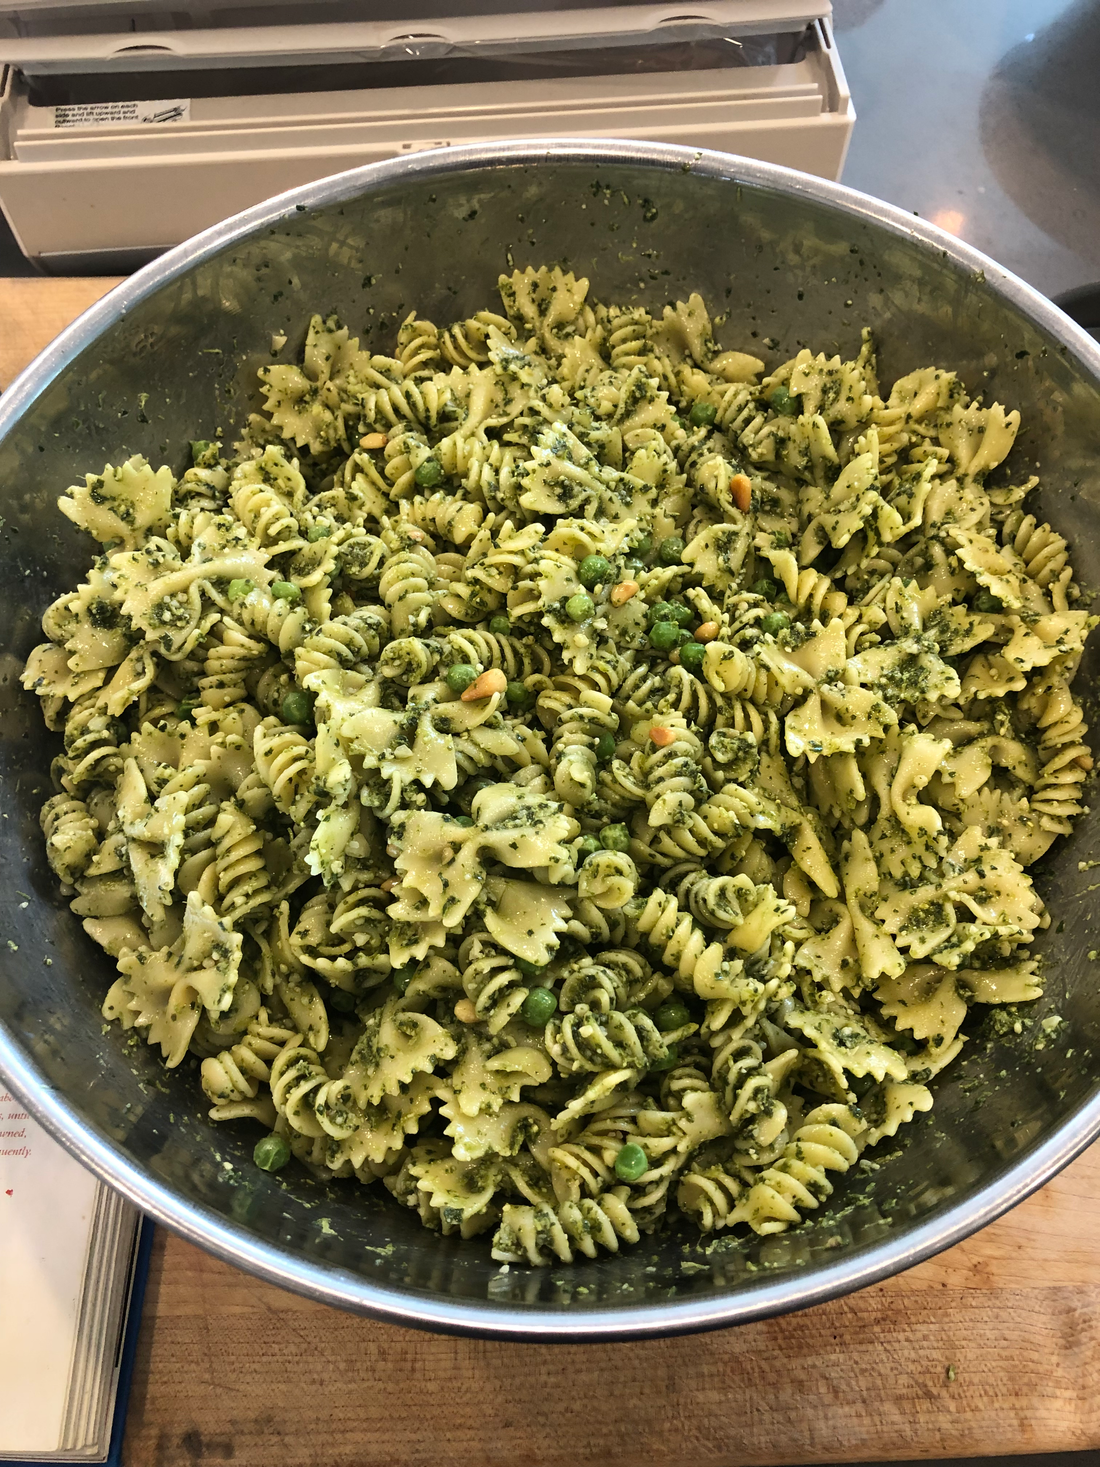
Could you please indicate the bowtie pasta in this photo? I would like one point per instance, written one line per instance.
(565, 771)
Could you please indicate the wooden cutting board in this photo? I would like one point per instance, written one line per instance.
(994, 1347)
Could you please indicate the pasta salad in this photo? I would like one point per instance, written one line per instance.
(566, 772)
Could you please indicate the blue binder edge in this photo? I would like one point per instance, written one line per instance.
(143, 1253)
(127, 1355)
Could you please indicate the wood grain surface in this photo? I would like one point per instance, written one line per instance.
(993, 1347)
(34, 310)
(233, 1370)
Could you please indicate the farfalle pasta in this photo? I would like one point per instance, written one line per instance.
(565, 772)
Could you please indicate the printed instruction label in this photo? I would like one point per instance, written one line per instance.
(122, 114)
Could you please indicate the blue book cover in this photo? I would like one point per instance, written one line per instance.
(129, 1340)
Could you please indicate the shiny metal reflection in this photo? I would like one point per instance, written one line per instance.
(171, 355)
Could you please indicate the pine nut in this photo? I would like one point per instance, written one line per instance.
(622, 593)
(707, 632)
(486, 685)
(661, 736)
(373, 440)
(465, 1012)
(741, 489)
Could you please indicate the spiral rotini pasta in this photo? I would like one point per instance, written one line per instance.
(72, 836)
(563, 772)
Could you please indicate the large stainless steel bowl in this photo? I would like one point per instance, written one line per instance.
(171, 355)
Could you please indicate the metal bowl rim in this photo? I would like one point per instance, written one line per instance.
(340, 1287)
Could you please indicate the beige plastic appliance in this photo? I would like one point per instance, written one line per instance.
(127, 127)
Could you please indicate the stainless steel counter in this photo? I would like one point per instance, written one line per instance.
(984, 116)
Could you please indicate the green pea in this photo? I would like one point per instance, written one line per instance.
(238, 590)
(670, 551)
(605, 747)
(297, 706)
(986, 601)
(518, 694)
(860, 1084)
(271, 1154)
(702, 414)
(671, 1015)
(459, 677)
(341, 1001)
(594, 570)
(402, 977)
(774, 623)
(285, 591)
(664, 636)
(539, 1004)
(643, 545)
(679, 422)
(464, 820)
(683, 636)
(691, 656)
(631, 1162)
(199, 449)
(500, 626)
(186, 708)
(670, 1059)
(632, 569)
(785, 402)
(580, 607)
(615, 838)
(528, 968)
(768, 589)
(317, 532)
(660, 611)
(587, 846)
(682, 615)
(429, 473)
